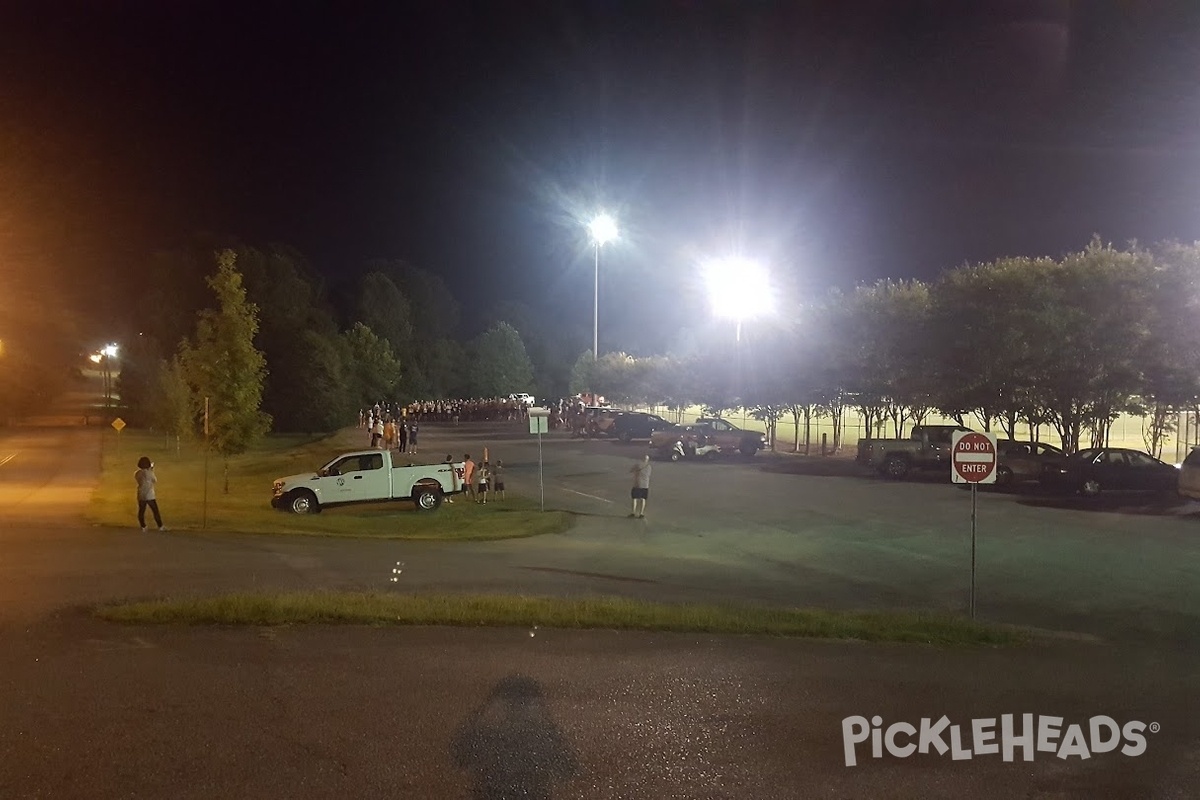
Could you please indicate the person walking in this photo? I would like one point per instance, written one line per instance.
(146, 480)
(377, 433)
(641, 487)
(498, 480)
(469, 474)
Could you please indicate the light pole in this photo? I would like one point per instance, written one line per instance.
(738, 289)
(603, 229)
(108, 354)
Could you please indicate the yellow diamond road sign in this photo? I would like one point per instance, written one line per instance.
(118, 423)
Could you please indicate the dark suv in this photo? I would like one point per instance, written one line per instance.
(637, 425)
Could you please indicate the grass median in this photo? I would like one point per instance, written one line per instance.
(246, 508)
(380, 608)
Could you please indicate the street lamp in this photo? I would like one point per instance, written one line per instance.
(738, 289)
(107, 354)
(603, 229)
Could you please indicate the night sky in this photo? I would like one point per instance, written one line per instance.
(835, 141)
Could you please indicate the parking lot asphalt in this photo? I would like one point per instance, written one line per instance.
(105, 711)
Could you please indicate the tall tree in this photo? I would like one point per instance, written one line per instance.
(1086, 363)
(223, 365)
(499, 363)
(372, 367)
(384, 309)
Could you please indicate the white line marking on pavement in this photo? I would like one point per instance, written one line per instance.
(582, 494)
(7, 459)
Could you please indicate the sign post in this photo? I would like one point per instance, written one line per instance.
(538, 418)
(118, 425)
(973, 461)
(204, 504)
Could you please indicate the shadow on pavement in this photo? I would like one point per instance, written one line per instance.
(1134, 503)
(511, 746)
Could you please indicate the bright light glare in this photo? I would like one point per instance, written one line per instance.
(738, 288)
(95, 357)
(603, 229)
(110, 351)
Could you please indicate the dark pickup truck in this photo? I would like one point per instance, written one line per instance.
(926, 448)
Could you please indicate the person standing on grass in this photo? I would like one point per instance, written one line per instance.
(498, 480)
(412, 438)
(389, 434)
(377, 433)
(146, 480)
(485, 477)
(641, 487)
(402, 435)
(469, 474)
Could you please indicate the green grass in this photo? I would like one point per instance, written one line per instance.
(374, 608)
(247, 506)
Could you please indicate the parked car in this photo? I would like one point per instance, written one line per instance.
(1104, 469)
(726, 436)
(1189, 475)
(1020, 462)
(926, 448)
(632, 425)
(598, 420)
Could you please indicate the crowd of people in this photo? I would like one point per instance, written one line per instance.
(564, 414)
(487, 409)
(389, 429)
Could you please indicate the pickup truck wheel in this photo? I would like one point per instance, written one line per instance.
(675, 455)
(749, 449)
(895, 467)
(1090, 487)
(304, 502)
(1004, 476)
(427, 499)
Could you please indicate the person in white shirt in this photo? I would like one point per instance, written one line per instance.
(146, 481)
(641, 487)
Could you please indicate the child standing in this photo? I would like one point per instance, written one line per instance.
(498, 480)
(485, 477)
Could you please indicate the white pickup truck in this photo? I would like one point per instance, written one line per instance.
(367, 476)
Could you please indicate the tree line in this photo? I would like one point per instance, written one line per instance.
(257, 333)
(1063, 344)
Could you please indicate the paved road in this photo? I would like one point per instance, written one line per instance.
(94, 710)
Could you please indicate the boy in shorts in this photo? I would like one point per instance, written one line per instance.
(641, 487)
(485, 477)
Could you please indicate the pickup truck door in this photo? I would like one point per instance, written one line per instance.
(357, 478)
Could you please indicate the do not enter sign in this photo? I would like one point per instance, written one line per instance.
(973, 457)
